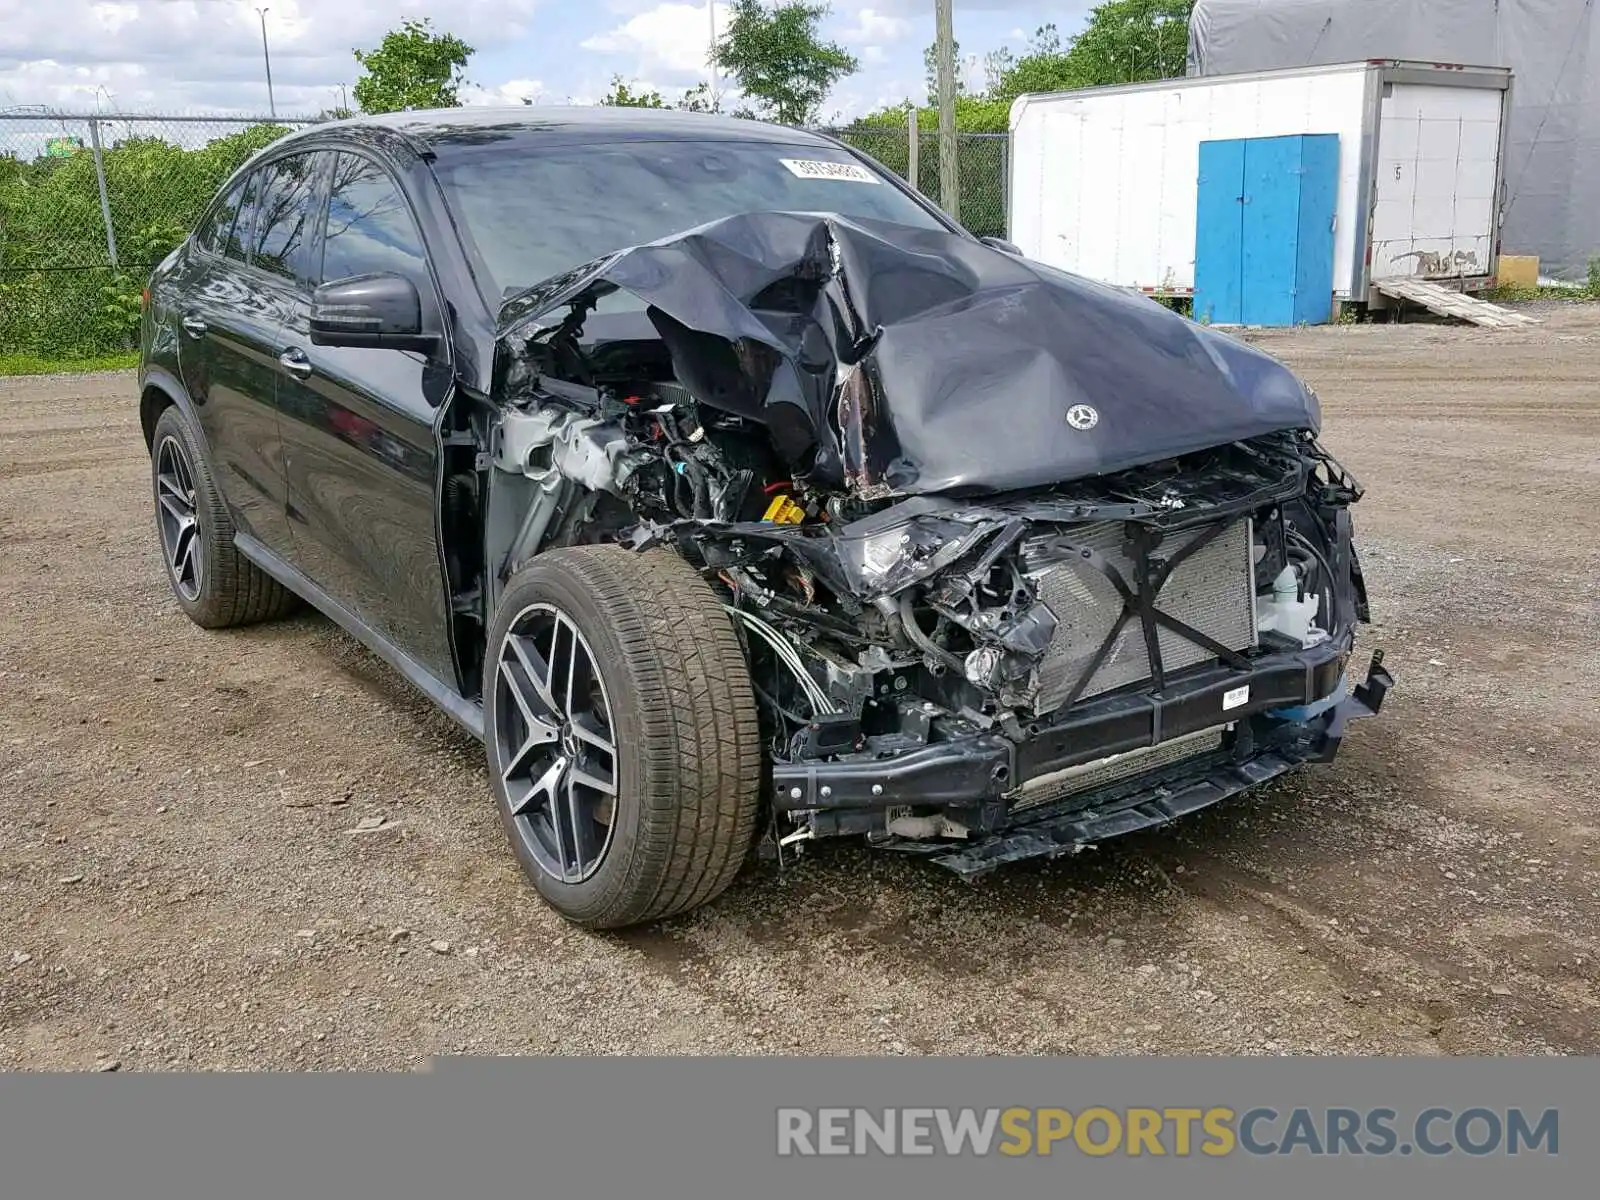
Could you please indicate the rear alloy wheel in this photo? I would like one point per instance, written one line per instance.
(175, 515)
(213, 583)
(620, 726)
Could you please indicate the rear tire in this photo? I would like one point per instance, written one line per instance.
(613, 669)
(215, 585)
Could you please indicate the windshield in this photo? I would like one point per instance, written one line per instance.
(531, 216)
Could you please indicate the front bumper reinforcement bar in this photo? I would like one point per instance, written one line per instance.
(982, 769)
(1179, 792)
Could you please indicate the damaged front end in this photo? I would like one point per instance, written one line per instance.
(1020, 562)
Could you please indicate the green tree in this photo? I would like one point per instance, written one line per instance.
(1128, 41)
(699, 99)
(1124, 41)
(995, 65)
(1046, 40)
(1042, 67)
(413, 67)
(696, 99)
(779, 60)
(623, 96)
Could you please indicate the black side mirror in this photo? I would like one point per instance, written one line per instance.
(1001, 244)
(381, 311)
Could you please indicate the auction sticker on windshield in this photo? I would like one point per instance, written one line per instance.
(807, 168)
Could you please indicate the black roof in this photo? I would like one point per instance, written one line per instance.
(446, 128)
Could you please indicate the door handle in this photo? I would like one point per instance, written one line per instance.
(194, 326)
(294, 361)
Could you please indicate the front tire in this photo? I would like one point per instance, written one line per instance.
(215, 585)
(620, 725)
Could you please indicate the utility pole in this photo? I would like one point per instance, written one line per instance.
(945, 52)
(272, 105)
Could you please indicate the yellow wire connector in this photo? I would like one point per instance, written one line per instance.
(784, 511)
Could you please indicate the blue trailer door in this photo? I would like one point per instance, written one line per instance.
(1219, 234)
(1264, 230)
(1319, 201)
(1271, 220)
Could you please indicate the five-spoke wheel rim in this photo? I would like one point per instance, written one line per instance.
(554, 744)
(178, 518)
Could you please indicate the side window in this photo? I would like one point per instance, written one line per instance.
(213, 234)
(238, 241)
(369, 226)
(284, 215)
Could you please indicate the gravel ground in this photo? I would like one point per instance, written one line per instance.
(184, 882)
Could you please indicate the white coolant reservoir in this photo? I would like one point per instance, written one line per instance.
(1282, 612)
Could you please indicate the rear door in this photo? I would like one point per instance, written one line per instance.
(362, 459)
(1437, 170)
(228, 358)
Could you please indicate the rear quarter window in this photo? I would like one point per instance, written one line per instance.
(237, 244)
(214, 230)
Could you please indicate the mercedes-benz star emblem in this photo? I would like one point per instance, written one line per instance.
(1082, 416)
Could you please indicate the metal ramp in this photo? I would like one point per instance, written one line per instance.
(1440, 299)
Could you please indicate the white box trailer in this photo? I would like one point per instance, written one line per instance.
(1104, 181)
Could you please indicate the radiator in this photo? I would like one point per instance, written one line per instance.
(1212, 591)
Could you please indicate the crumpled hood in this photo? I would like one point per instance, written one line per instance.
(895, 360)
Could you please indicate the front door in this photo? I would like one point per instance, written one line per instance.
(363, 459)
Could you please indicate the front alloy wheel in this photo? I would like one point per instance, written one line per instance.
(554, 741)
(623, 746)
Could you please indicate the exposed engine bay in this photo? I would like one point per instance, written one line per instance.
(1019, 562)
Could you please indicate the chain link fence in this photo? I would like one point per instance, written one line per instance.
(89, 204)
(981, 160)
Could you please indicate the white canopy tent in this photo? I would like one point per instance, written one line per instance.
(1552, 200)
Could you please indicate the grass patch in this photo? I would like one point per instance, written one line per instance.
(1588, 290)
(29, 364)
(1542, 292)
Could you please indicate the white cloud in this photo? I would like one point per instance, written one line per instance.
(512, 91)
(875, 28)
(670, 39)
(1064, 14)
(109, 18)
(205, 55)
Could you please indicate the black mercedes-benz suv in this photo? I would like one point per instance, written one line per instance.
(736, 498)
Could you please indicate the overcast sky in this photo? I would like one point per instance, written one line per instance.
(205, 55)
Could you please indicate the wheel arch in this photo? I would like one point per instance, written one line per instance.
(161, 391)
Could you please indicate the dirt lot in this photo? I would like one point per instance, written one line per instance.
(182, 886)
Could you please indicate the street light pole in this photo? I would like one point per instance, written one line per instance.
(266, 57)
(711, 59)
